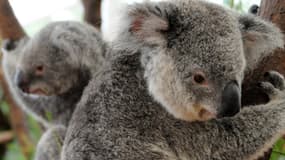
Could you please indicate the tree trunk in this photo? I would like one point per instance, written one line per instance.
(11, 29)
(9, 25)
(92, 12)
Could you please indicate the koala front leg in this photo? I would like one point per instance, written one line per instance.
(254, 130)
(50, 144)
(245, 136)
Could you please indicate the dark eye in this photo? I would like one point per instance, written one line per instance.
(199, 78)
(39, 70)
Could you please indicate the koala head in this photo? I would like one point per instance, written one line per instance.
(193, 55)
(50, 62)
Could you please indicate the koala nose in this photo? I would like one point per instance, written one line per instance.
(231, 100)
(22, 81)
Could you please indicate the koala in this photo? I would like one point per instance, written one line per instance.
(48, 73)
(172, 88)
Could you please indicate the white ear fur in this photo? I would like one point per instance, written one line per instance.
(147, 26)
(112, 14)
(138, 24)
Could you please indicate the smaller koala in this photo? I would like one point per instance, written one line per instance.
(48, 73)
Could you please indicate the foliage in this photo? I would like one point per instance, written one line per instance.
(13, 149)
(278, 152)
(239, 5)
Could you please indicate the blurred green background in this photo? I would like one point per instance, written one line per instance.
(41, 12)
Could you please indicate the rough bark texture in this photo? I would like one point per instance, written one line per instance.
(92, 12)
(9, 26)
(11, 29)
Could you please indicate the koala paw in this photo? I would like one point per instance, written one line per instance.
(273, 85)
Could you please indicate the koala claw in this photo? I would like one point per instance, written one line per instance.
(273, 84)
(276, 79)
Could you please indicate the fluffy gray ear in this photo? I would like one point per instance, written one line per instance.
(143, 23)
(260, 38)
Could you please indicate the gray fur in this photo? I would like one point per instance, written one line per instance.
(50, 144)
(260, 39)
(122, 115)
(70, 53)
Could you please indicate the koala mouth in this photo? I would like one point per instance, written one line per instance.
(195, 112)
(38, 90)
(203, 113)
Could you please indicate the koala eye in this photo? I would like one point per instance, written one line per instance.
(199, 78)
(39, 70)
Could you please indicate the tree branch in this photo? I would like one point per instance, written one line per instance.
(10, 28)
(92, 12)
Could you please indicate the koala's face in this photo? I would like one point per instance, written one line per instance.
(45, 69)
(193, 55)
(201, 66)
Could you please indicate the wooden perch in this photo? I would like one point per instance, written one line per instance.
(92, 12)
(6, 137)
(10, 28)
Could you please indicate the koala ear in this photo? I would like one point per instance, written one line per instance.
(260, 38)
(144, 23)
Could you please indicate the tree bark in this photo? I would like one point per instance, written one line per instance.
(9, 25)
(10, 28)
(92, 12)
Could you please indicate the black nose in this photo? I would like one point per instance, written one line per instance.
(231, 100)
(22, 81)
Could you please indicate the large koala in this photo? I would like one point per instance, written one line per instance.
(47, 75)
(176, 61)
